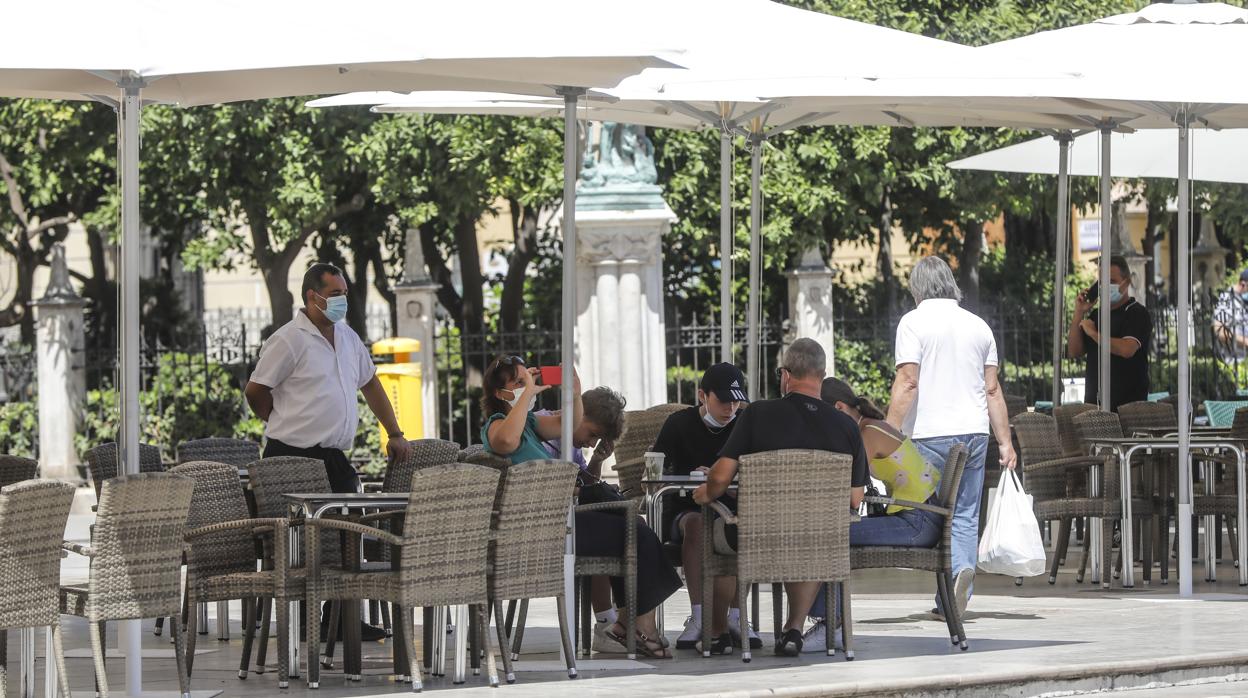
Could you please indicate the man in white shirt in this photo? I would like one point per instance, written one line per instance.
(305, 383)
(946, 393)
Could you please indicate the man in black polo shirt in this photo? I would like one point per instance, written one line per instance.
(691, 440)
(798, 420)
(1130, 329)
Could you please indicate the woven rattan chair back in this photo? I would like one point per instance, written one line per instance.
(445, 556)
(15, 469)
(1239, 425)
(641, 429)
(32, 522)
(425, 453)
(950, 481)
(667, 410)
(218, 498)
(235, 452)
(529, 533)
(1146, 415)
(1015, 405)
(1038, 443)
(1095, 424)
(1065, 432)
(469, 452)
(778, 542)
(102, 462)
(136, 571)
(271, 478)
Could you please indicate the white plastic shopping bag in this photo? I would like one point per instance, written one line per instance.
(1011, 544)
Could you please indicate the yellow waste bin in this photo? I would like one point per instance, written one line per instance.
(401, 381)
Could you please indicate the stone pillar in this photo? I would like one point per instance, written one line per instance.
(1120, 244)
(417, 300)
(620, 327)
(810, 303)
(62, 380)
(1208, 262)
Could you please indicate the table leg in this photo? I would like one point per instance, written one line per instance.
(1241, 515)
(461, 643)
(1093, 529)
(223, 621)
(28, 662)
(50, 679)
(1211, 529)
(656, 523)
(1126, 525)
(294, 617)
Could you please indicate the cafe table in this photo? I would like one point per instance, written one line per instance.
(1126, 449)
(317, 505)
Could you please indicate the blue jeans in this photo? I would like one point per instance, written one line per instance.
(965, 532)
(910, 529)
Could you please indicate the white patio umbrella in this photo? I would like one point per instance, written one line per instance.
(132, 51)
(1157, 92)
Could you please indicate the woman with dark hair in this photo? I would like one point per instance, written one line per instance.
(895, 461)
(512, 431)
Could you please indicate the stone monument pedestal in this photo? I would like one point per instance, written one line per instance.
(810, 303)
(620, 327)
(62, 382)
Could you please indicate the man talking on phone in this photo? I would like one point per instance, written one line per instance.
(1130, 328)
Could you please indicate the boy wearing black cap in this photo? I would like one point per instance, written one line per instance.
(1230, 321)
(691, 440)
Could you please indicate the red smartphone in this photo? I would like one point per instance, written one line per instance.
(550, 375)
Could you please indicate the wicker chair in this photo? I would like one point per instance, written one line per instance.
(136, 562)
(102, 462)
(221, 565)
(1014, 406)
(1064, 414)
(32, 520)
(425, 453)
(270, 479)
(641, 429)
(1097, 424)
(443, 564)
(667, 409)
(1155, 483)
(528, 547)
(236, 452)
(15, 469)
(1056, 482)
(469, 452)
(813, 547)
(936, 560)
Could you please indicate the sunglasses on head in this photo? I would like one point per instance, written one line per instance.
(511, 361)
(780, 371)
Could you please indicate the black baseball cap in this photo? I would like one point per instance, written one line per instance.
(1243, 275)
(726, 381)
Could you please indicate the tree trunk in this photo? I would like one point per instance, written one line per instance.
(968, 264)
(357, 296)
(381, 282)
(473, 308)
(1151, 228)
(524, 221)
(884, 258)
(440, 272)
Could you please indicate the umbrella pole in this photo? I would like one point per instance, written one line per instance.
(128, 337)
(1185, 388)
(725, 245)
(1063, 243)
(756, 264)
(571, 95)
(1107, 207)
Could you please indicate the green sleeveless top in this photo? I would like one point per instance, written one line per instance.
(906, 475)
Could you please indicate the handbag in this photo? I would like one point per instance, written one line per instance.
(595, 491)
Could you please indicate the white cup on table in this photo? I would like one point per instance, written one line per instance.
(654, 464)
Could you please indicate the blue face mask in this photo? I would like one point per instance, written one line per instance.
(1115, 295)
(335, 308)
(1244, 296)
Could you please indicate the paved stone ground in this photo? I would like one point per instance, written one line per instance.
(1014, 631)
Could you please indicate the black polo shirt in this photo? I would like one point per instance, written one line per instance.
(1128, 377)
(798, 421)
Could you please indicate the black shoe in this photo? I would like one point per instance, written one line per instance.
(790, 643)
(371, 633)
(721, 645)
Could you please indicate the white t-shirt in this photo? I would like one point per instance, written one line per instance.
(951, 346)
(314, 383)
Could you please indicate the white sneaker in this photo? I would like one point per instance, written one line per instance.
(962, 589)
(815, 639)
(604, 642)
(734, 628)
(693, 633)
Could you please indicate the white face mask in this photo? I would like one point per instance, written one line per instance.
(713, 423)
(516, 394)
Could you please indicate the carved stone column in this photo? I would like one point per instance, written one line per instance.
(810, 303)
(1208, 262)
(1121, 244)
(417, 301)
(62, 381)
(620, 328)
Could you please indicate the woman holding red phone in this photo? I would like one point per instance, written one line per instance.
(514, 432)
